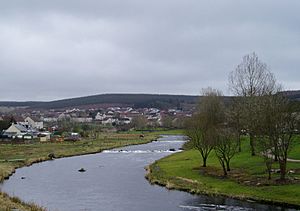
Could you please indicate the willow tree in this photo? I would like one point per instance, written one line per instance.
(250, 80)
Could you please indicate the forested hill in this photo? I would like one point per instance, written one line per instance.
(294, 94)
(135, 100)
(19, 104)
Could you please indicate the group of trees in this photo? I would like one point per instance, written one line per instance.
(208, 129)
(257, 109)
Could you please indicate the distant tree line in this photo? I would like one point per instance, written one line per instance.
(134, 100)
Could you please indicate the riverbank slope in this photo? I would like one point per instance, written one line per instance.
(247, 179)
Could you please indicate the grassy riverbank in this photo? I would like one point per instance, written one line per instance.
(247, 179)
(14, 156)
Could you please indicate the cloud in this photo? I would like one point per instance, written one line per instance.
(57, 49)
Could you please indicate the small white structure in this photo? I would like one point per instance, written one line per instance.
(50, 119)
(82, 119)
(103, 117)
(99, 117)
(44, 136)
(108, 121)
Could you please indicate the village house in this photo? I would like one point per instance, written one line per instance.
(15, 130)
(99, 116)
(123, 121)
(34, 124)
(108, 121)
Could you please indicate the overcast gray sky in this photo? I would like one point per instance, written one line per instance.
(58, 49)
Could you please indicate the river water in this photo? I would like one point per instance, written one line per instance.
(113, 181)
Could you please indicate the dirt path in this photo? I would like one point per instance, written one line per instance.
(288, 160)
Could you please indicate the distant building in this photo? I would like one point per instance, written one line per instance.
(99, 117)
(44, 136)
(50, 119)
(30, 123)
(82, 119)
(108, 121)
(15, 130)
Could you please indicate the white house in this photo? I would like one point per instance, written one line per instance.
(123, 121)
(108, 121)
(15, 130)
(34, 124)
(99, 117)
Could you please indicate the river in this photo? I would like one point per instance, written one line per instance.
(113, 181)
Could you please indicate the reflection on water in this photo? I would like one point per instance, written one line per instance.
(113, 180)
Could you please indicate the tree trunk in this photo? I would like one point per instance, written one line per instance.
(276, 153)
(282, 165)
(204, 161)
(224, 169)
(227, 166)
(269, 168)
(239, 142)
(252, 144)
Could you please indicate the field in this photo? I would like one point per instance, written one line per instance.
(295, 151)
(13, 156)
(246, 180)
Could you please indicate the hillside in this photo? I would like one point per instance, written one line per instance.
(293, 94)
(135, 100)
(18, 104)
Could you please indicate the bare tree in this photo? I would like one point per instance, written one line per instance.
(225, 147)
(277, 128)
(235, 120)
(201, 129)
(139, 122)
(284, 129)
(200, 137)
(265, 145)
(251, 79)
(167, 121)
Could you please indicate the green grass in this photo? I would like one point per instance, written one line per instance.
(295, 151)
(14, 156)
(182, 171)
